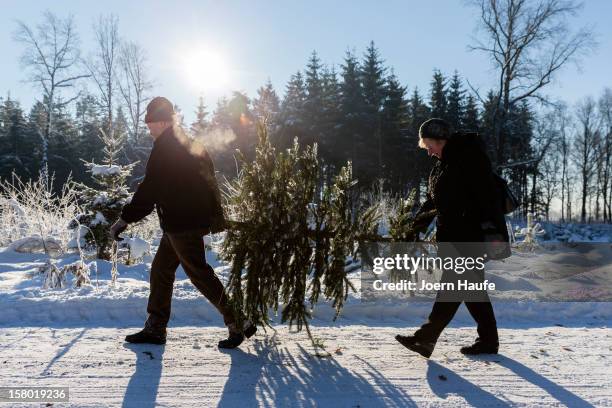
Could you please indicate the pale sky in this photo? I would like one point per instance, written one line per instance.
(252, 41)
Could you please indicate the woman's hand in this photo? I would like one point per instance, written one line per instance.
(117, 228)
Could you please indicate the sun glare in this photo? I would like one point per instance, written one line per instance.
(204, 69)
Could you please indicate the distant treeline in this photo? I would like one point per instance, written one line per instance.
(357, 111)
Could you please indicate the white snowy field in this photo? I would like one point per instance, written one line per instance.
(552, 353)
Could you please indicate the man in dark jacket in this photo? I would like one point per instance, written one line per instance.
(462, 194)
(180, 184)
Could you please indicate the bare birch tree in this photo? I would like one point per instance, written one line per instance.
(585, 148)
(563, 150)
(102, 65)
(529, 43)
(605, 113)
(550, 181)
(545, 134)
(134, 85)
(50, 57)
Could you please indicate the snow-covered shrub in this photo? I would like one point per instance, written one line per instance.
(54, 277)
(81, 272)
(78, 241)
(31, 211)
(57, 278)
(529, 234)
(103, 204)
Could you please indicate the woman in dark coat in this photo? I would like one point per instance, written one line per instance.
(462, 194)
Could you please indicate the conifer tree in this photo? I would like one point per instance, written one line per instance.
(266, 106)
(231, 128)
(471, 117)
(63, 147)
(221, 115)
(103, 203)
(221, 123)
(373, 79)
(330, 123)
(37, 120)
(352, 139)
(313, 104)
(242, 123)
(487, 123)
(283, 233)
(121, 126)
(455, 102)
(419, 112)
(178, 114)
(199, 126)
(293, 111)
(437, 96)
(88, 124)
(372, 75)
(395, 122)
(15, 147)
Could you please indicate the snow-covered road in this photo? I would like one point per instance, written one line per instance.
(546, 366)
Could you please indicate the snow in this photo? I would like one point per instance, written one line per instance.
(519, 292)
(138, 247)
(74, 337)
(105, 170)
(35, 243)
(572, 232)
(78, 237)
(101, 199)
(366, 367)
(99, 219)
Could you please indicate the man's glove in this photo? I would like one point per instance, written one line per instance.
(218, 224)
(422, 221)
(117, 228)
(419, 224)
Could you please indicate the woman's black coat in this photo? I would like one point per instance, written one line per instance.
(463, 193)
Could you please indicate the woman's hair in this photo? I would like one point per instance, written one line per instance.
(434, 128)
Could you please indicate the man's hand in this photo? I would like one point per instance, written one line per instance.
(117, 228)
(422, 221)
(218, 224)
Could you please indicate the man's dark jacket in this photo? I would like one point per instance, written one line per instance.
(180, 183)
(463, 193)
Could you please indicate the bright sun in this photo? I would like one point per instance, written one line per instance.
(204, 69)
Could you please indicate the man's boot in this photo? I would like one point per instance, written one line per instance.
(424, 348)
(148, 335)
(480, 347)
(236, 336)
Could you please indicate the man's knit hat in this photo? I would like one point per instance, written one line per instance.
(159, 109)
